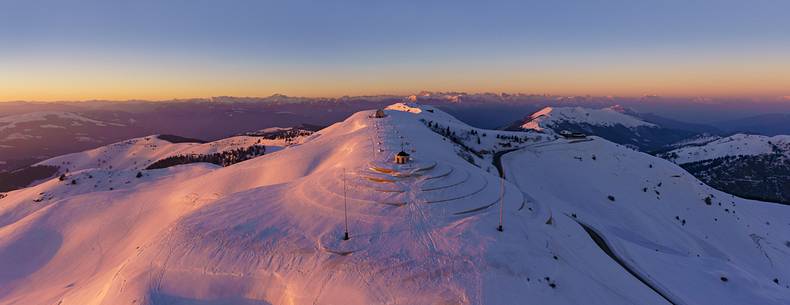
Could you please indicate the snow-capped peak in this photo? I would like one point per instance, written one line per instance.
(549, 117)
(619, 108)
(453, 97)
(405, 107)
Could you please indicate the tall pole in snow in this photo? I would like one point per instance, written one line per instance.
(345, 206)
(501, 201)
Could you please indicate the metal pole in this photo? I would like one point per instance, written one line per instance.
(501, 201)
(345, 206)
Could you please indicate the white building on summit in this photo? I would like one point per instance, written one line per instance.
(402, 157)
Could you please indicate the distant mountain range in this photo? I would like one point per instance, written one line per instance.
(766, 124)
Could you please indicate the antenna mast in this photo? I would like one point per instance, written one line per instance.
(501, 201)
(345, 206)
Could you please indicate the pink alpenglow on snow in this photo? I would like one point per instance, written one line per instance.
(586, 222)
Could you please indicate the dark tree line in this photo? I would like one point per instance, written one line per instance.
(513, 138)
(450, 134)
(287, 134)
(761, 177)
(224, 158)
(23, 177)
(473, 134)
(178, 139)
(466, 151)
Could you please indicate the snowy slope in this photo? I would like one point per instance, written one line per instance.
(116, 167)
(138, 153)
(735, 145)
(614, 123)
(658, 220)
(551, 117)
(269, 230)
(695, 141)
(751, 166)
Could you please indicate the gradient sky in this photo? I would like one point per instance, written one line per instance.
(161, 49)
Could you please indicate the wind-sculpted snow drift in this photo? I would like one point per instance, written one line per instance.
(269, 230)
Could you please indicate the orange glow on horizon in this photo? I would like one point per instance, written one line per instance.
(606, 76)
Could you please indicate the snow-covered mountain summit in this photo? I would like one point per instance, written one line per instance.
(615, 123)
(550, 118)
(586, 221)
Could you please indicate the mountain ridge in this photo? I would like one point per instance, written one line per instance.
(269, 230)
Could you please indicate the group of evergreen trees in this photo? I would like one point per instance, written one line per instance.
(472, 133)
(513, 138)
(224, 158)
(760, 177)
(450, 134)
(23, 177)
(287, 134)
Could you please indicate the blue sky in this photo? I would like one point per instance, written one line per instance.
(291, 46)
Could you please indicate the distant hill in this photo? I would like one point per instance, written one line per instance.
(612, 123)
(750, 166)
(677, 125)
